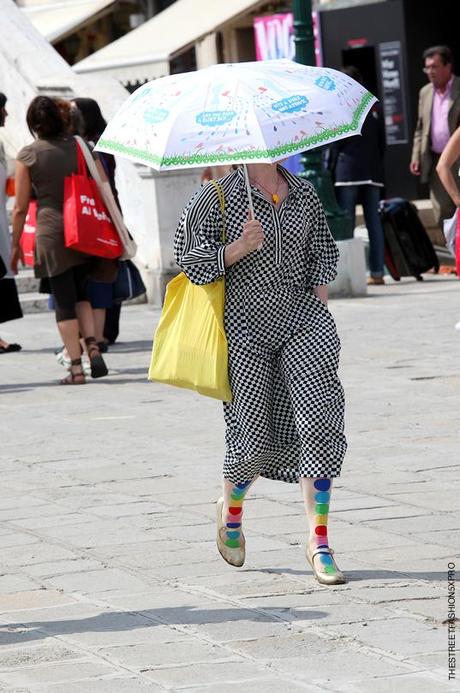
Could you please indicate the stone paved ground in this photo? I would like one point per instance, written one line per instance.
(110, 580)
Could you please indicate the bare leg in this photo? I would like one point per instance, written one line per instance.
(86, 321)
(99, 322)
(85, 317)
(70, 335)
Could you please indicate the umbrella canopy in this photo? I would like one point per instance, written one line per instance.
(258, 112)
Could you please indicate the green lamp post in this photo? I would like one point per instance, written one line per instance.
(339, 221)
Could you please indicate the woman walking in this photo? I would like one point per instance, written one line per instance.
(43, 166)
(448, 162)
(286, 419)
(106, 311)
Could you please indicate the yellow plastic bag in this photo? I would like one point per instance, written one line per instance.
(190, 347)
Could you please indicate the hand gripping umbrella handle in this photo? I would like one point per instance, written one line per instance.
(251, 205)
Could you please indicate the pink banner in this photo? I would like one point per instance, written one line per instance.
(274, 36)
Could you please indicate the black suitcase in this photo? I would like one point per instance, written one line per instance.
(408, 249)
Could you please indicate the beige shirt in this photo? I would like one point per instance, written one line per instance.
(49, 162)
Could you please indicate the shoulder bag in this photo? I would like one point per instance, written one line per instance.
(129, 245)
(88, 227)
(190, 346)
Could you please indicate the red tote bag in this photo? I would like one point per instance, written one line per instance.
(27, 241)
(88, 227)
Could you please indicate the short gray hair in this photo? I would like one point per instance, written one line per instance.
(444, 53)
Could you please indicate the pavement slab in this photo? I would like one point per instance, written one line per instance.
(110, 580)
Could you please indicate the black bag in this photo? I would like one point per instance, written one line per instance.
(128, 284)
(408, 248)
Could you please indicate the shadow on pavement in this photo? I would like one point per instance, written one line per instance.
(130, 347)
(358, 575)
(114, 621)
(127, 371)
(25, 387)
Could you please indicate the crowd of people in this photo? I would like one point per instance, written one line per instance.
(81, 286)
(285, 419)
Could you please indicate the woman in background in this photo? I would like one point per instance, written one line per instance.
(10, 308)
(43, 166)
(449, 159)
(106, 312)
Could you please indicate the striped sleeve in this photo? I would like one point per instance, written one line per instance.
(198, 246)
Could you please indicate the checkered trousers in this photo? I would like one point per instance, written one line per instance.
(286, 419)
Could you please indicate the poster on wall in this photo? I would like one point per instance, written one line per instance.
(274, 36)
(274, 39)
(393, 96)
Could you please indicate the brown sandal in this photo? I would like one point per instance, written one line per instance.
(75, 377)
(98, 367)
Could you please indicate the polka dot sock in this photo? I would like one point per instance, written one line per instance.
(322, 489)
(234, 516)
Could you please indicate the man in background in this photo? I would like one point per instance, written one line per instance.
(438, 117)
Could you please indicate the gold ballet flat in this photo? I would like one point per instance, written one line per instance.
(336, 578)
(233, 556)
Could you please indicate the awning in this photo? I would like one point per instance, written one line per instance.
(144, 53)
(56, 20)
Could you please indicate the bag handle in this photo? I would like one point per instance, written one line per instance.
(81, 165)
(221, 196)
(130, 247)
(87, 159)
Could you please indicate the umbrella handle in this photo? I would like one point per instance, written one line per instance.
(251, 204)
(248, 188)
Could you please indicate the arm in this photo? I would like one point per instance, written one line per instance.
(198, 246)
(108, 164)
(417, 142)
(321, 292)
(323, 253)
(330, 155)
(448, 158)
(23, 193)
(101, 170)
(381, 137)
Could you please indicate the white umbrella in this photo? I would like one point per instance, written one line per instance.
(257, 112)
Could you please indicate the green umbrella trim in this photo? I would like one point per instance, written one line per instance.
(285, 149)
